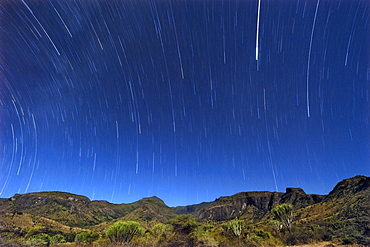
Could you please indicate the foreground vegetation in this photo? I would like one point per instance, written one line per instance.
(181, 230)
(185, 230)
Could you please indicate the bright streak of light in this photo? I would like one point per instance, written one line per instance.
(34, 159)
(94, 162)
(153, 163)
(258, 27)
(70, 34)
(16, 145)
(137, 162)
(56, 49)
(117, 132)
(12, 160)
(309, 59)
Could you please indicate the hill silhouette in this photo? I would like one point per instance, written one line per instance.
(343, 215)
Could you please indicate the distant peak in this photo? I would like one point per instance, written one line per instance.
(294, 190)
(350, 182)
(351, 185)
(153, 199)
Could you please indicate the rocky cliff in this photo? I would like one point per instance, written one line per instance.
(253, 205)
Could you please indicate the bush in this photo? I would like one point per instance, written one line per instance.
(34, 231)
(262, 234)
(86, 237)
(183, 230)
(40, 239)
(183, 224)
(300, 236)
(57, 239)
(159, 229)
(124, 232)
(204, 235)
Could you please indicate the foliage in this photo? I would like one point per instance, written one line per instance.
(57, 239)
(159, 234)
(124, 232)
(34, 231)
(183, 224)
(276, 225)
(40, 239)
(284, 214)
(183, 227)
(234, 226)
(204, 235)
(159, 229)
(86, 237)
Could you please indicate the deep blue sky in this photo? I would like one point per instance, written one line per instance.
(120, 100)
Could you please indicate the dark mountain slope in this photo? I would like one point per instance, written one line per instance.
(349, 200)
(349, 187)
(77, 211)
(151, 208)
(346, 210)
(249, 205)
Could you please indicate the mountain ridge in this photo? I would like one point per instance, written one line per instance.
(70, 194)
(220, 209)
(345, 210)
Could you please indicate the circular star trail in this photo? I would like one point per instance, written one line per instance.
(185, 100)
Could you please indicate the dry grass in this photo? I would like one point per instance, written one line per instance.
(326, 244)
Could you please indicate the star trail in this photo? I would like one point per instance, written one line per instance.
(185, 100)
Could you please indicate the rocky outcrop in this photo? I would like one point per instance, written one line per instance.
(254, 205)
(299, 199)
(190, 208)
(350, 186)
(151, 208)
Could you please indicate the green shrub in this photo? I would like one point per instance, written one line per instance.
(57, 239)
(204, 235)
(183, 224)
(159, 229)
(40, 239)
(86, 237)
(34, 231)
(124, 232)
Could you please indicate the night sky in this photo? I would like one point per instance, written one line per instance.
(185, 100)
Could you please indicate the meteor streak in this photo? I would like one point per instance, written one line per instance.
(258, 27)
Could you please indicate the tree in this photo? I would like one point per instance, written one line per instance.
(284, 214)
(276, 225)
(235, 226)
(124, 232)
